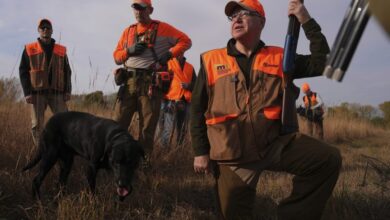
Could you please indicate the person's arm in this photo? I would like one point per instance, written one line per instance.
(24, 74)
(199, 102)
(190, 86)
(200, 142)
(120, 52)
(314, 64)
(181, 42)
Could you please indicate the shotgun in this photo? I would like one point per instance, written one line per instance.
(347, 39)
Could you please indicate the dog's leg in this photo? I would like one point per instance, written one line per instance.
(91, 176)
(45, 166)
(66, 162)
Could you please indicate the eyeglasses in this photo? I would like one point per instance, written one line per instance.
(242, 13)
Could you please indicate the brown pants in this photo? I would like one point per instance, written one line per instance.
(316, 129)
(315, 165)
(41, 101)
(148, 110)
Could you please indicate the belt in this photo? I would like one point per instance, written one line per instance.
(46, 91)
(133, 72)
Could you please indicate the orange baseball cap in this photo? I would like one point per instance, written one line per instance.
(143, 3)
(305, 87)
(250, 5)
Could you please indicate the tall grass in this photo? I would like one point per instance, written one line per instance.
(170, 189)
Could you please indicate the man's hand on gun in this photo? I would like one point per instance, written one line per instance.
(297, 8)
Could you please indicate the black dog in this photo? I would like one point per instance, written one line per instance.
(103, 142)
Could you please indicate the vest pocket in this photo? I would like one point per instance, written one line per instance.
(38, 79)
(224, 140)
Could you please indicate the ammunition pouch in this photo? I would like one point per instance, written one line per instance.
(120, 76)
(134, 81)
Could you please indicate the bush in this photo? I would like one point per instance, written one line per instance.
(385, 107)
(10, 90)
(94, 98)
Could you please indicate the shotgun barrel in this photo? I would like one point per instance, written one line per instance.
(347, 39)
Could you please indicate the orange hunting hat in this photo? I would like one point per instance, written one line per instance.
(143, 3)
(250, 5)
(305, 87)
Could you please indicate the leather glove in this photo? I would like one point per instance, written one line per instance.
(164, 58)
(136, 48)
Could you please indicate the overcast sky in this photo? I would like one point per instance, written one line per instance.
(90, 29)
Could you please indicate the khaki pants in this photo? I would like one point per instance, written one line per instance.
(315, 165)
(41, 101)
(148, 110)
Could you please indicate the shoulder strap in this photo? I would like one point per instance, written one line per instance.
(154, 29)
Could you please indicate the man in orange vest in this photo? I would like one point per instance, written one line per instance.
(142, 48)
(236, 119)
(312, 109)
(45, 76)
(175, 104)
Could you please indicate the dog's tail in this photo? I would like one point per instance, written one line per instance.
(37, 156)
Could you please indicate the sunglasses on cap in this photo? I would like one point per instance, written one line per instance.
(138, 7)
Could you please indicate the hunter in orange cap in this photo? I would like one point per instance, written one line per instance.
(312, 109)
(144, 47)
(236, 123)
(45, 76)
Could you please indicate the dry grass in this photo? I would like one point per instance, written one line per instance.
(171, 190)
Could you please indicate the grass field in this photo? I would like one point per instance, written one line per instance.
(171, 190)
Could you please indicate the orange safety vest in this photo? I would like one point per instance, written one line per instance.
(241, 120)
(176, 92)
(39, 68)
(312, 102)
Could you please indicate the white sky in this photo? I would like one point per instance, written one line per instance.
(91, 28)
